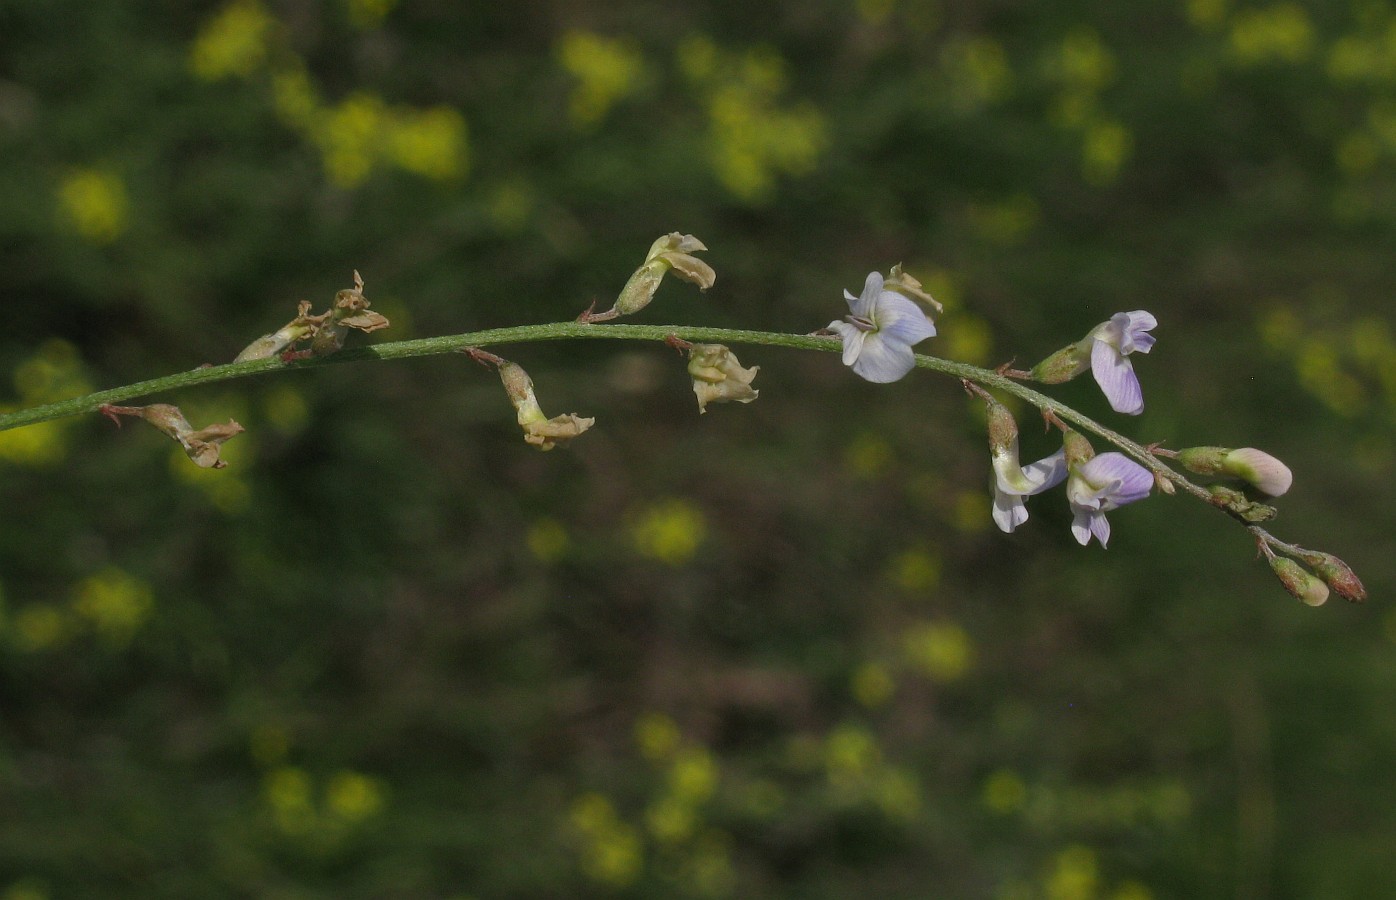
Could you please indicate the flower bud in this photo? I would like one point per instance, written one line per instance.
(672, 252)
(1065, 364)
(1241, 506)
(1003, 428)
(1257, 467)
(1298, 582)
(539, 430)
(1078, 450)
(718, 376)
(904, 284)
(1338, 575)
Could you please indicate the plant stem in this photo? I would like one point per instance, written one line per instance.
(576, 331)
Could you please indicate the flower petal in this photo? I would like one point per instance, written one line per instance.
(1133, 327)
(901, 319)
(1009, 511)
(1081, 525)
(882, 361)
(864, 305)
(1100, 527)
(852, 338)
(1128, 481)
(1047, 473)
(1115, 375)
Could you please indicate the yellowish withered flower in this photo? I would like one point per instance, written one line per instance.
(718, 376)
(671, 253)
(350, 310)
(200, 445)
(539, 430)
(302, 327)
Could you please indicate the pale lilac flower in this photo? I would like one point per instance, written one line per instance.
(880, 330)
(1013, 483)
(1100, 484)
(1112, 343)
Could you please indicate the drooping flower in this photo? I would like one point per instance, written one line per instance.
(1105, 351)
(539, 430)
(1013, 483)
(1097, 484)
(200, 445)
(718, 376)
(880, 330)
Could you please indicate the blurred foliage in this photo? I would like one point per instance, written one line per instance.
(780, 650)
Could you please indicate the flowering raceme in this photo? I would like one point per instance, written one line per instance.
(880, 330)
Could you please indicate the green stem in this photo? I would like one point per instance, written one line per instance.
(578, 331)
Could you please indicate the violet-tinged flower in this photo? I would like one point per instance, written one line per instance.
(1014, 483)
(880, 330)
(1100, 484)
(1112, 343)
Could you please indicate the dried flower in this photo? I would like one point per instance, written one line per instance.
(718, 376)
(539, 430)
(200, 445)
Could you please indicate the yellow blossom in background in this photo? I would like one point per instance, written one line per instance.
(752, 139)
(968, 338)
(873, 685)
(350, 136)
(657, 736)
(114, 602)
(285, 409)
(294, 97)
(897, 793)
(40, 626)
(1357, 153)
(1006, 222)
(232, 42)
(430, 142)
(365, 14)
(54, 372)
(26, 889)
(875, 12)
(1005, 792)
(941, 650)
(670, 531)
(606, 70)
(916, 570)
(976, 71)
(708, 868)
(610, 849)
(971, 513)
(868, 455)
(547, 540)
(353, 797)
(1206, 14)
(511, 206)
(1105, 148)
(851, 753)
(1075, 875)
(671, 820)
(693, 775)
(287, 791)
(94, 204)
(1280, 33)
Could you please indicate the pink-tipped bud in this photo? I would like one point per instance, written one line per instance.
(1299, 582)
(1266, 473)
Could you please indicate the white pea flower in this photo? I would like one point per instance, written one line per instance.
(880, 330)
(1100, 484)
(1112, 343)
(1014, 483)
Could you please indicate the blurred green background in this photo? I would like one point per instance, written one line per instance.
(775, 651)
